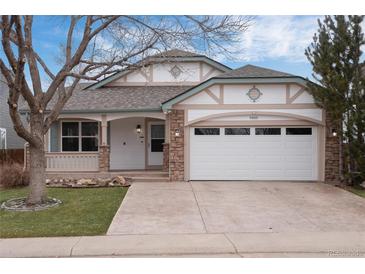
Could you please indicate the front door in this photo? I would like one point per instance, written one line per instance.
(127, 147)
(156, 138)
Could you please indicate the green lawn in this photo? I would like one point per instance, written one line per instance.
(87, 211)
(358, 191)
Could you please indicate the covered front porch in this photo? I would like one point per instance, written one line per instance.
(107, 143)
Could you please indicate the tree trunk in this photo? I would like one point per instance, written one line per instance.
(37, 167)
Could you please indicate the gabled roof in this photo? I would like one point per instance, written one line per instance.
(170, 55)
(250, 71)
(243, 75)
(117, 99)
(175, 53)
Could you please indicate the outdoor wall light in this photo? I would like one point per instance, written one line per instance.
(334, 133)
(177, 132)
(138, 129)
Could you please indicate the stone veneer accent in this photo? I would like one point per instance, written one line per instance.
(104, 158)
(176, 155)
(165, 164)
(332, 155)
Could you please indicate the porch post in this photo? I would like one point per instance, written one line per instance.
(166, 146)
(104, 151)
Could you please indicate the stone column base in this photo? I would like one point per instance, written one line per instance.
(176, 148)
(104, 158)
(165, 165)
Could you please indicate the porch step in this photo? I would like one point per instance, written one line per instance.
(142, 174)
(146, 179)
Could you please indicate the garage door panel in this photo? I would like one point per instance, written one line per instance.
(253, 157)
(293, 146)
(268, 161)
(298, 166)
(299, 174)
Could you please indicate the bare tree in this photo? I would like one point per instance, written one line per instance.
(95, 46)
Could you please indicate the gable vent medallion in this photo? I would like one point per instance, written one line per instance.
(175, 71)
(254, 94)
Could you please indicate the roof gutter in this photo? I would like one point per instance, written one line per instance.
(103, 111)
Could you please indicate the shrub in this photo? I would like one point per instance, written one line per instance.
(13, 175)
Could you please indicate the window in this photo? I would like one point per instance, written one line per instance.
(89, 136)
(2, 138)
(157, 138)
(206, 131)
(237, 131)
(268, 131)
(80, 136)
(299, 131)
(70, 136)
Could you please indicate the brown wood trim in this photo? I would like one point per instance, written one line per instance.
(247, 106)
(209, 73)
(221, 94)
(238, 113)
(296, 95)
(143, 73)
(287, 95)
(201, 71)
(321, 152)
(211, 94)
(254, 123)
(186, 153)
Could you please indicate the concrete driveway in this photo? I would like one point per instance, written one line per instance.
(237, 207)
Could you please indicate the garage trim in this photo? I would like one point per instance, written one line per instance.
(247, 113)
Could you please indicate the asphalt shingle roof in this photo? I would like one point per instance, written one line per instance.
(250, 71)
(176, 53)
(121, 98)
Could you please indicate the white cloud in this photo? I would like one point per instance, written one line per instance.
(279, 37)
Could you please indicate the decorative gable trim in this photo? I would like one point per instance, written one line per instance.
(122, 73)
(291, 99)
(216, 80)
(212, 95)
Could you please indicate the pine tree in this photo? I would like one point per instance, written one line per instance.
(335, 55)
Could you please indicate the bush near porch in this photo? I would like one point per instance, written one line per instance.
(83, 212)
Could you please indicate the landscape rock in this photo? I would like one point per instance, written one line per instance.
(87, 182)
(84, 181)
(120, 180)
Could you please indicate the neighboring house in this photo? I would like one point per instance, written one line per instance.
(197, 119)
(8, 137)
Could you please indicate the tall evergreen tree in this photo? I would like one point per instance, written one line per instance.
(335, 55)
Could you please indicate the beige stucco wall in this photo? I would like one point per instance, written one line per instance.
(192, 73)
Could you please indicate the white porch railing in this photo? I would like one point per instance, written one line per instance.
(72, 161)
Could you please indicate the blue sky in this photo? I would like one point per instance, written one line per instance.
(279, 42)
(276, 42)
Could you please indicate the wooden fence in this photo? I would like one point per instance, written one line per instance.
(10, 156)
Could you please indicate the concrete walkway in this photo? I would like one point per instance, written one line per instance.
(237, 207)
(219, 219)
(310, 244)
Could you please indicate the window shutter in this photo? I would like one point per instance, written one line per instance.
(54, 139)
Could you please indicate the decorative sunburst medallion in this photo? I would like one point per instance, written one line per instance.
(254, 94)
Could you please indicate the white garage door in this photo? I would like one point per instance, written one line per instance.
(253, 153)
